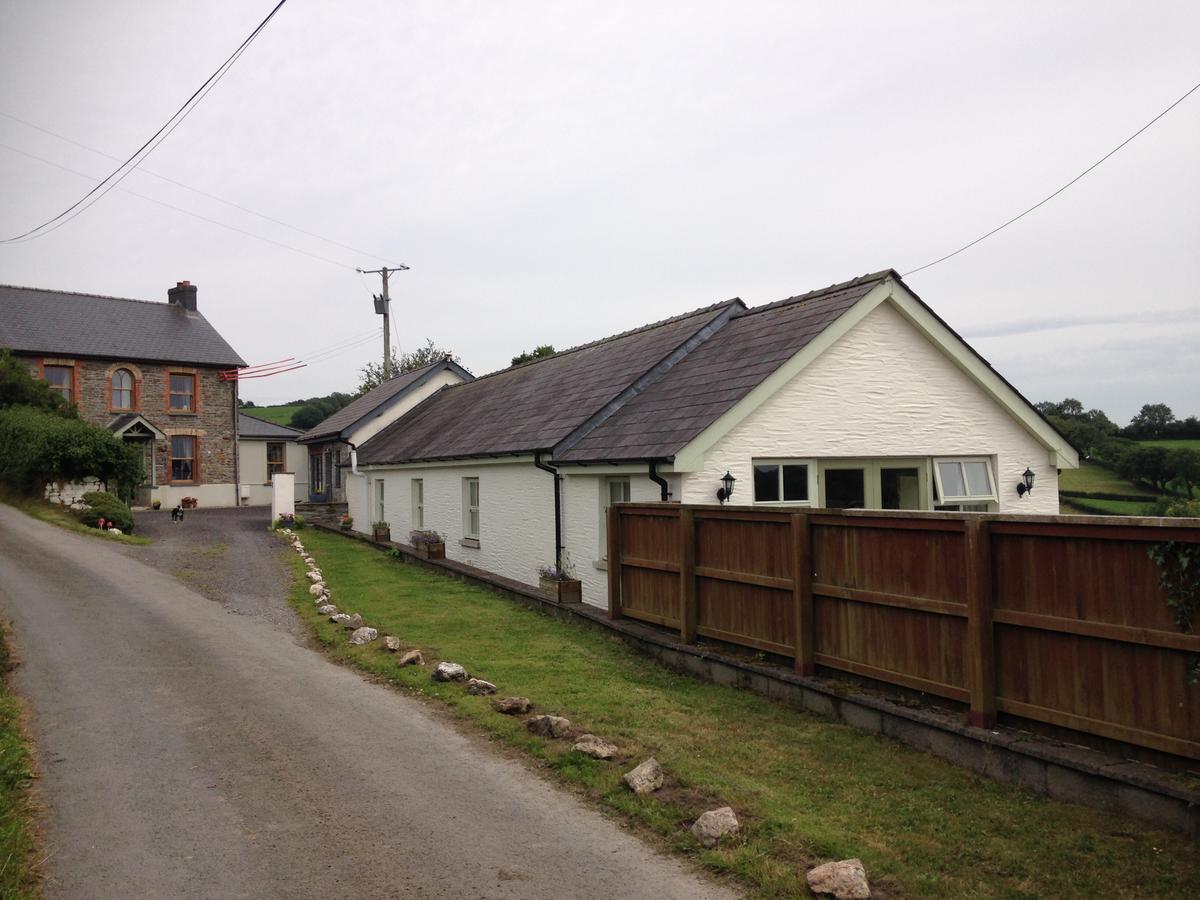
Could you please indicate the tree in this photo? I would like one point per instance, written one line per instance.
(245, 404)
(1088, 432)
(536, 353)
(1068, 408)
(19, 388)
(307, 416)
(1185, 464)
(371, 375)
(1151, 421)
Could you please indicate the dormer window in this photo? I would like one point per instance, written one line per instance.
(122, 389)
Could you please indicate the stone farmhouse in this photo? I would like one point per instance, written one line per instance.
(147, 371)
(856, 395)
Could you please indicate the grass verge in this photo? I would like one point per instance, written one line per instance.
(1093, 478)
(56, 514)
(805, 789)
(18, 876)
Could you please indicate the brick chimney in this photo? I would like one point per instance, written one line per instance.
(183, 295)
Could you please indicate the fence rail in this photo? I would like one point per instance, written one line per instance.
(1055, 619)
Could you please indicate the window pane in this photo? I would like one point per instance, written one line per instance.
(795, 482)
(766, 483)
(59, 378)
(181, 445)
(952, 479)
(473, 492)
(899, 488)
(473, 523)
(181, 470)
(618, 490)
(845, 488)
(182, 388)
(978, 484)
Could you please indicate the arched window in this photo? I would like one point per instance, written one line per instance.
(122, 389)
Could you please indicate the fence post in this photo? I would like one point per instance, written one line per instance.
(614, 562)
(687, 574)
(802, 594)
(981, 662)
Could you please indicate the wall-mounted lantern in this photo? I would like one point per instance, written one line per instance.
(1025, 485)
(725, 491)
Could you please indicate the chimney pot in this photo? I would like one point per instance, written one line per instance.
(183, 295)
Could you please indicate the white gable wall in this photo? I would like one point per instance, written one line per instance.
(881, 390)
(252, 469)
(390, 411)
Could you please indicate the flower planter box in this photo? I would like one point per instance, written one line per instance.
(382, 535)
(569, 590)
(430, 551)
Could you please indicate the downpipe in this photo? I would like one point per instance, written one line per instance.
(663, 487)
(558, 544)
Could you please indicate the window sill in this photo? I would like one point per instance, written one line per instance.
(181, 412)
(470, 542)
(601, 564)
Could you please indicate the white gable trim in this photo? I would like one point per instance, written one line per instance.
(139, 419)
(1061, 454)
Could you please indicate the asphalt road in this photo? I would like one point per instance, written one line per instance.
(187, 751)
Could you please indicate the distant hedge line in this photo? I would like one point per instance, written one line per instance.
(38, 446)
(1102, 495)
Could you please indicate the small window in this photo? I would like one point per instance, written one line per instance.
(781, 482)
(471, 508)
(183, 457)
(183, 393)
(380, 515)
(61, 379)
(964, 484)
(418, 504)
(275, 459)
(122, 389)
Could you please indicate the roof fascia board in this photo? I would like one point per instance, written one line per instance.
(383, 407)
(650, 376)
(1061, 454)
(582, 470)
(691, 456)
(456, 463)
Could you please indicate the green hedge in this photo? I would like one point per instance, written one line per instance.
(1102, 495)
(37, 447)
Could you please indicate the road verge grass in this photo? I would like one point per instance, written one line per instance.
(18, 874)
(805, 789)
(62, 517)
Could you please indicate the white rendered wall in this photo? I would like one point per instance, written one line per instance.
(389, 413)
(881, 390)
(585, 491)
(516, 513)
(207, 495)
(252, 470)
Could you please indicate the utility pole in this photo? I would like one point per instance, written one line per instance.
(383, 307)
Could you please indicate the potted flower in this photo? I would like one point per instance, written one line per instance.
(381, 531)
(428, 544)
(345, 521)
(189, 502)
(156, 504)
(561, 582)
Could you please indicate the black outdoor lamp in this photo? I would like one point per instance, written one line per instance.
(725, 491)
(1025, 486)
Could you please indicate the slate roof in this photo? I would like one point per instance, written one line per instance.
(348, 415)
(533, 406)
(60, 323)
(254, 427)
(662, 419)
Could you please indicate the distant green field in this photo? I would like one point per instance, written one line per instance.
(280, 415)
(1104, 507)
(1174, 443)
(1094, 478)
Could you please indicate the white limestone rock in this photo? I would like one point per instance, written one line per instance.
(392, 643)
(595, 747)
(512, 706)
(354, 621)
(411, 658)
(646, 778)
(844, 880)
(327, 610)
(313, 576)
(713, 825)
(549, 726)
(340, 618)
(363, 635)
(479, 686)
(449, 671)
(317, 588)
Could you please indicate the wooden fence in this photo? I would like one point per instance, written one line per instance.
(1050, 618)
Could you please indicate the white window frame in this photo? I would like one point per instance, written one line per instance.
(964, 500)
(607, 484)
(781, 462)
(380, 508)
(418, 504)
(471, 529)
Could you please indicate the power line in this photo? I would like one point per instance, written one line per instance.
(188, 187)
(186, 212)
(122, 171)
(1046, 200)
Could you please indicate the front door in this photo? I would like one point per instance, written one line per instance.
(318, 482)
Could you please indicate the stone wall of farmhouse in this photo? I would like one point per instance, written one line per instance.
(212, 422)
(881, 390)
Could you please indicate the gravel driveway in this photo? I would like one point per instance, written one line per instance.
(228, 555)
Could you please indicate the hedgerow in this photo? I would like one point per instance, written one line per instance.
(38, 447)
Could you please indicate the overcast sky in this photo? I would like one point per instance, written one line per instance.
(558, 172)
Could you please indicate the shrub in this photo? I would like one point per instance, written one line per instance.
(37, 447)
(103, 505)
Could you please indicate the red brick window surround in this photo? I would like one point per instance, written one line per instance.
(122, 390)
(61, 379)
(182, 392)
(183, 465)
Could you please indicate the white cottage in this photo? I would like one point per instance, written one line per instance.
(264, 449)
(854, 396)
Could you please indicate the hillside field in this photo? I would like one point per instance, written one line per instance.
(280, 415)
